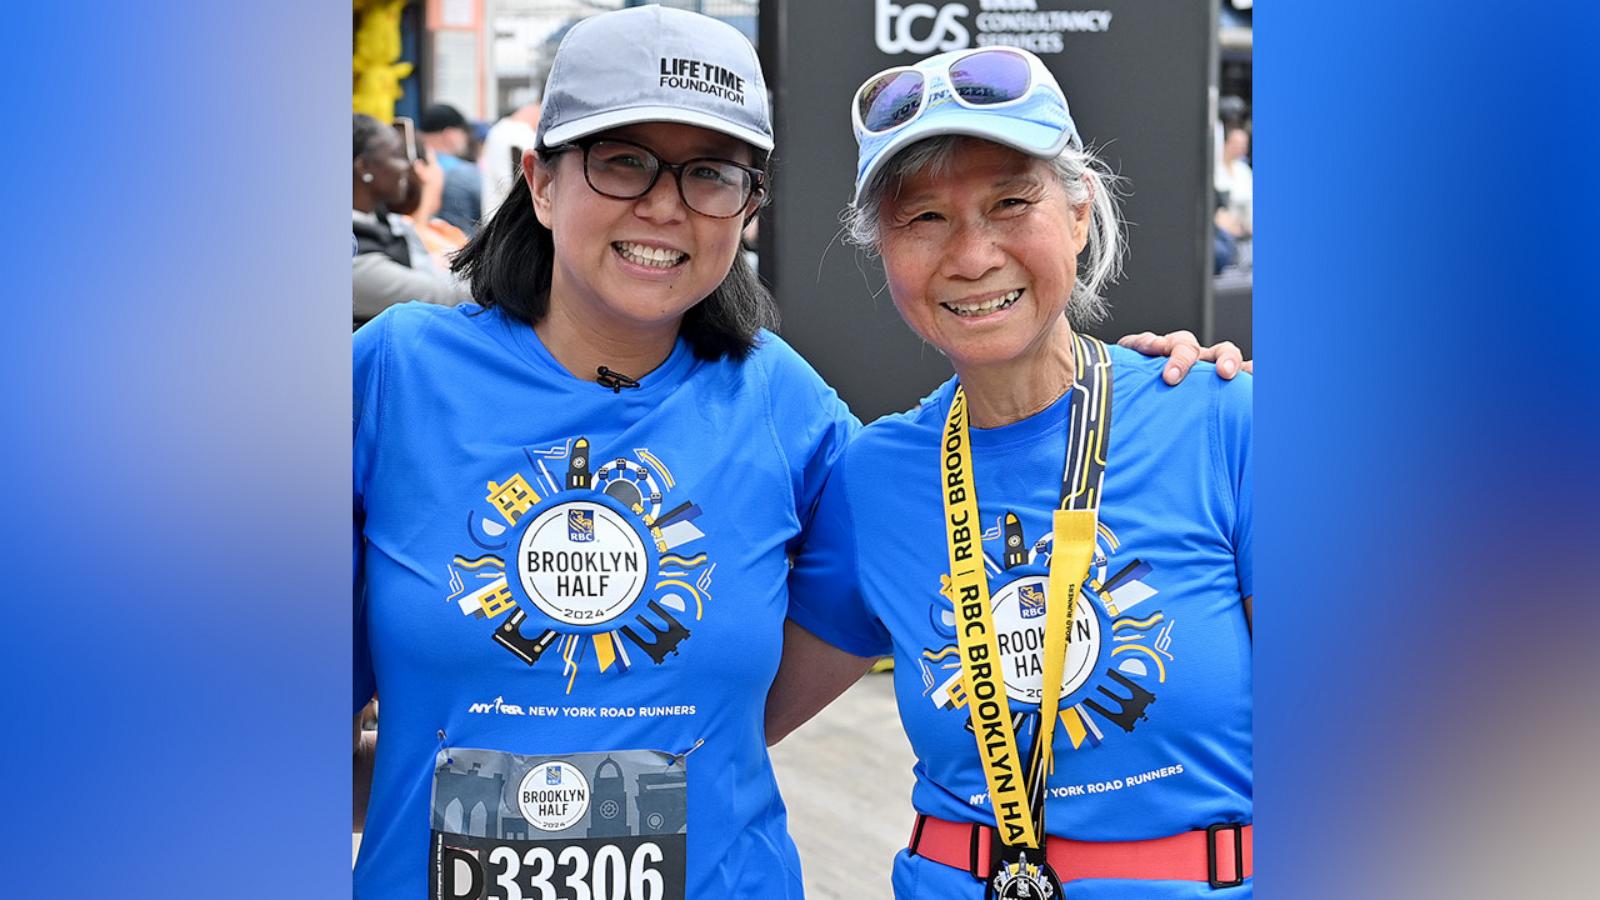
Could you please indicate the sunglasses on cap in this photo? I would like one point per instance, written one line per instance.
(980, 79)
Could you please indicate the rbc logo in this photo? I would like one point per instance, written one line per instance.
(892, 28)
(552, 775)
(1030, 599)
(580, 526)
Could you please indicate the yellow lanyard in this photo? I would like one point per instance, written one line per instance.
(1017, 795)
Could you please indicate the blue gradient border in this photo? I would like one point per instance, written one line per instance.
(1425, 187)
(176, 355)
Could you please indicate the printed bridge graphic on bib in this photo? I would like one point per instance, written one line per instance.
(1118, 649)
(597, 561)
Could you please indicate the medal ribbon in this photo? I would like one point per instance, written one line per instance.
(1018, 796)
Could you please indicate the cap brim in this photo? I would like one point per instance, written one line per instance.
(618, 118)
(1032, 138)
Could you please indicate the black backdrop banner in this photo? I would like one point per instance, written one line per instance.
(1139, 77)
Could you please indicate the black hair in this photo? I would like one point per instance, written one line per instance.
(440, 116)
(367, 130)
(509, 263)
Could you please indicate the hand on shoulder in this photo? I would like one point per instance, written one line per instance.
(1183, 350)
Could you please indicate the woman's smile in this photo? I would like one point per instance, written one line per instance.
(650, 256)
(984, 307)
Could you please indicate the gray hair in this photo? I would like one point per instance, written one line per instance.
(1083, 177)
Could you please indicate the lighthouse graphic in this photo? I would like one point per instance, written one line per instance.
(597, 563)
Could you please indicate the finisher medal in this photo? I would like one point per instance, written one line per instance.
(1022, 880)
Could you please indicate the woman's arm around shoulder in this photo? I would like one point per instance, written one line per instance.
(812, 674)
(832, 635)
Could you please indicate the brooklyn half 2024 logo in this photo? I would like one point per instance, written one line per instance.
(1117, 652)
(596, 554)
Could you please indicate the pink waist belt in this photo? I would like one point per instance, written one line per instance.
(1219, 855)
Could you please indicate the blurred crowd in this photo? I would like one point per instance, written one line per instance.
(419, 199)
(419, 190)
(1235, 187)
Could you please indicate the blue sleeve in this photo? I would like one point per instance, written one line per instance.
(825, 594)
(366, 379)
(811, 424)
(1235, 400)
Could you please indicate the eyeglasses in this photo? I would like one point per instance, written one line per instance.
(623, 170)
(981, 79)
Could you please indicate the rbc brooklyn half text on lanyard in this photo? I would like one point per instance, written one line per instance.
(1017, 792)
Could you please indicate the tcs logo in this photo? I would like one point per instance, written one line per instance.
(892, 27)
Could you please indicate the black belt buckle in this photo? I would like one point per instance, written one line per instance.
(977, 866)
(1020, 873)
(1238, 854)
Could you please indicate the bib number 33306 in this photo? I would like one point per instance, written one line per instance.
(585, 869)
(579, 826)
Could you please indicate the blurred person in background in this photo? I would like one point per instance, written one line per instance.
(1230, 230)
(1224, 243)
(447, 133)
(515, 131)
(1237, 192)
(393, 261)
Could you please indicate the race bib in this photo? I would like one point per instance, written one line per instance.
(578, 826)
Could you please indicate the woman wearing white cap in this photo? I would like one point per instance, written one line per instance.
(1054, 529)
(575, 501)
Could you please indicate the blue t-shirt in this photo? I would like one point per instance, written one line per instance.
(461, 204)
(570, 603)
(1154, 737)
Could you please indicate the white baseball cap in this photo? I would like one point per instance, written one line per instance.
(655, 64)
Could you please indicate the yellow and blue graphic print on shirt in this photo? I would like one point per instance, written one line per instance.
(1119, 646)
(573, 558)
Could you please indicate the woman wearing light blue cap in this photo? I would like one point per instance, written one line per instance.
(1055, 529)
(575, 501)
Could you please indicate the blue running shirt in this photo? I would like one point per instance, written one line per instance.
(570, 603)
(1155, 735)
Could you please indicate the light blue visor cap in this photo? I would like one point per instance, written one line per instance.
(1038, 125)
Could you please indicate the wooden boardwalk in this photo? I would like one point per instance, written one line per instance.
(846, 778)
